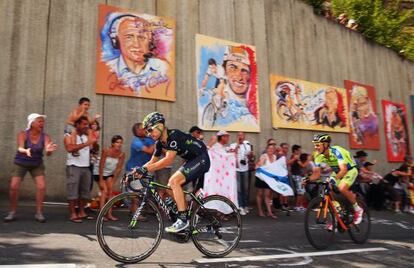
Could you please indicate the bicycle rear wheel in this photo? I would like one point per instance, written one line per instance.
(320, 227)
(122, 240)
(216, 226)
(359, 233)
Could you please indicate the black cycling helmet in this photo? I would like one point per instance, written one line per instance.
(152, 119)
(322, 137)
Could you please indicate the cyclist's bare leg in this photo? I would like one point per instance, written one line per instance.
(176, 181)
(344, 189)
(220, 89)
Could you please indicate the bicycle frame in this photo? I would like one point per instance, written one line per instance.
(151, 188)
(327, 200)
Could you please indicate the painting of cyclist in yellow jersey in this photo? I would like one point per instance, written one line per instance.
(301, 104)
(396, 131)
(362, 115)
(227, 85)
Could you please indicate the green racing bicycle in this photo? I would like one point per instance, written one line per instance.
(215, 223)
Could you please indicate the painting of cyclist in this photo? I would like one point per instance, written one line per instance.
(332, 112)
(396, 131)
(136, 55)
(300, 104)
(363, 120)
(230, 103)
(290, 105)
(216, 71)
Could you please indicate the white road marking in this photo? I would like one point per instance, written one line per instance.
(291, 255)
(402, 225)
(407, 245)
(249, 241)
(56, 203)
(305, 261)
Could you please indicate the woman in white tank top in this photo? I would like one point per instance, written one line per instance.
(110, 166)
(263, 190)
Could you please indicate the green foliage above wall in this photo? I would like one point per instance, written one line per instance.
(385, 22)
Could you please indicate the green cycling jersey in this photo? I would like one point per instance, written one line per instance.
(337, 156)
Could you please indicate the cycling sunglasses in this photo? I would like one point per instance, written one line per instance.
(150, 129)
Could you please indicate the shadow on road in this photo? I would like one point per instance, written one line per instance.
(27, 253)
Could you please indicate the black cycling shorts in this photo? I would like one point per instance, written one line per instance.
(196, 168)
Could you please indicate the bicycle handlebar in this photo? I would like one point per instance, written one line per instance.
(131, 176)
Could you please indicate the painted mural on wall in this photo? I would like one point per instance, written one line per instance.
(301, 104)
(363, 117)
(396, 130)
(135, 54)
(412, 107)
(227, 85)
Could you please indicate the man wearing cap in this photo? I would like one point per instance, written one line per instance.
(196, 132)
(360, 158)
(370, 183)
(29, 158)
(223, 138)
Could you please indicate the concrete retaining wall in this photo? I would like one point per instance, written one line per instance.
(48, 62)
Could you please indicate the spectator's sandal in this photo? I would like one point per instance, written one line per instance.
(87, 217)
(76, 220)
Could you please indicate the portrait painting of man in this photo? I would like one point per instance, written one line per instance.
(135, 55)
(227, 85)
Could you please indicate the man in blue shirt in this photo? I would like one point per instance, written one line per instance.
(142, 148)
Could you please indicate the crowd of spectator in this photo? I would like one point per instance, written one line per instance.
(342, 19)
(87, 163)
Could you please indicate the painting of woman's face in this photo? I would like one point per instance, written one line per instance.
(331, 100)
(362, 106)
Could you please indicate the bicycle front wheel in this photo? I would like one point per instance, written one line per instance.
(216, 226)
(359, 233)
(320, 224)
(125, 240)
(209, 116)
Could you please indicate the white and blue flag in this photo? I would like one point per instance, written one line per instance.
(276, 176)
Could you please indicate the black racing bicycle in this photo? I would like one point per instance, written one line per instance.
(215, 223)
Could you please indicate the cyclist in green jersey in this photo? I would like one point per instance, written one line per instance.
(343, 166)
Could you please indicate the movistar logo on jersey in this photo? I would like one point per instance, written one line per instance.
(189, 142)
(186, 171)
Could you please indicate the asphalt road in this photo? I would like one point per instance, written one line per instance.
(265, 243)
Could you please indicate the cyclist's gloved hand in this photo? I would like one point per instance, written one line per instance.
(332, 180)
(129, 176)
(141, 172)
